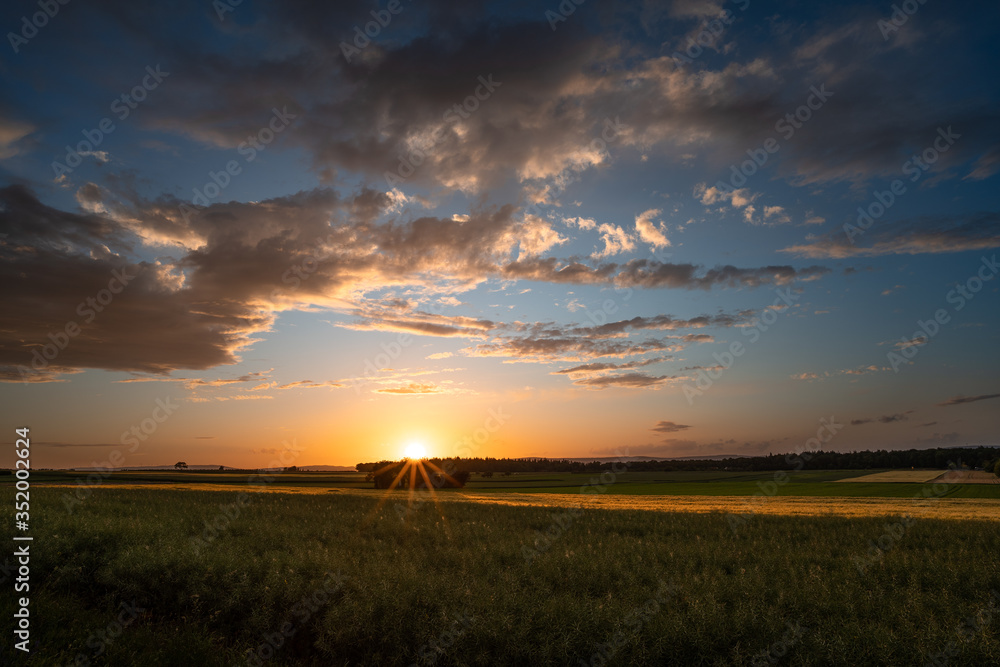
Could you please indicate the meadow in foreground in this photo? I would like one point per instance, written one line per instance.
(133, 576)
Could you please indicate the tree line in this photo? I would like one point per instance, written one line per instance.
(987, 458)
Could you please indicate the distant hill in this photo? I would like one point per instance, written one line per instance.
(216, 468)
(622, 459)
(192, 467)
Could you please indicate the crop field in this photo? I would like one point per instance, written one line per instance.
(812, 483)
(161, 576)
(968, 477)
(911, 476)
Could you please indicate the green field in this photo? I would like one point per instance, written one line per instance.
(491, 584)
(803, 483)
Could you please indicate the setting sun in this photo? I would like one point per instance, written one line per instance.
(415, 450)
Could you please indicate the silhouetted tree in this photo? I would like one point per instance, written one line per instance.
(388, 472)
(384, 478)
(180, 465)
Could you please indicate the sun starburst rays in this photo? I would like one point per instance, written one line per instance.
(411, 468)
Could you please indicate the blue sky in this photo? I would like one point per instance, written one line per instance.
(572, 246)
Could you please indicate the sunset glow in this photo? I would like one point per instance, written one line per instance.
(415, 450)
(525, 234)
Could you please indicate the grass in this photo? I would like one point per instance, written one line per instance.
(718, 483)
(463, 583)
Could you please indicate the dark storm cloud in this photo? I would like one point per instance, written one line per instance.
(31, 226)
(71, 302)
(557, 89)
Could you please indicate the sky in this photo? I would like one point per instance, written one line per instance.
(235, 233)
